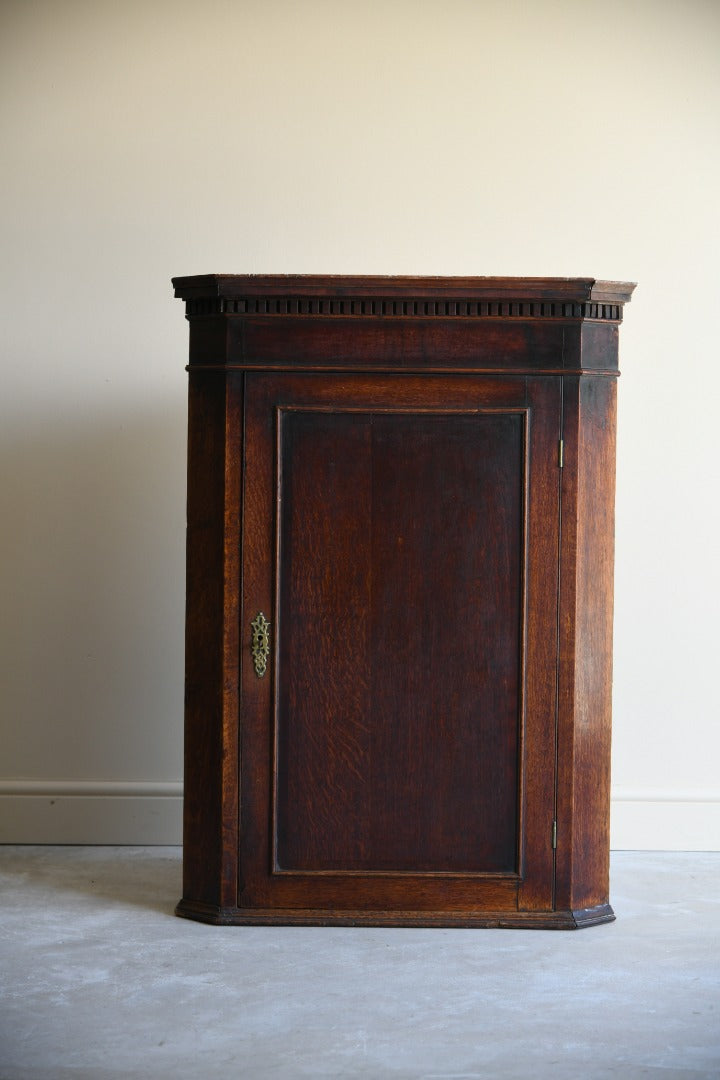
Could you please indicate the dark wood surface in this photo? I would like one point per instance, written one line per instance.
(585, 647)
(401, 539)
(210, 853)
(386, 487)
(411, 290)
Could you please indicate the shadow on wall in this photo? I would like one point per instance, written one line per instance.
(92, 572)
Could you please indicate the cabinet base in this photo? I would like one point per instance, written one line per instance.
(507, 920)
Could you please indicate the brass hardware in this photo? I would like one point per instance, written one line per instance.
(554, 835)
(260, 643)
(561, 453)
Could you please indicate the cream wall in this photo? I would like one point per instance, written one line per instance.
(144, 140)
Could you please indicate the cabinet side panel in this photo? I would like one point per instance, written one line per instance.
(208, 340)
(586, 643)
(210, 798)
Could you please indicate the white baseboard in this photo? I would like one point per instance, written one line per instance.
(140, 812)
(665, 819)
(90, 812)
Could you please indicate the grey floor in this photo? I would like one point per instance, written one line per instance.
(100, 980)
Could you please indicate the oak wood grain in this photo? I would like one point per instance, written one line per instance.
(374, 463)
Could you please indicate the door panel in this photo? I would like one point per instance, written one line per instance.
(401, 558)
(386, 539)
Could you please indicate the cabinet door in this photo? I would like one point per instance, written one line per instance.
(400, 536)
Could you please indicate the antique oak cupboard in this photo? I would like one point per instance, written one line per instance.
(399, 599)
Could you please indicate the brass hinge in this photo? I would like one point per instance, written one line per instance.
(554, 835)
(561, 453)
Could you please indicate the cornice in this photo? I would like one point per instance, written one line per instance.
(403, 297)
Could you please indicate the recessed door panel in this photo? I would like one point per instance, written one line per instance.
(401, 558)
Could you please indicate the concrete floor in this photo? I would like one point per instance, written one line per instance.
(100, 980)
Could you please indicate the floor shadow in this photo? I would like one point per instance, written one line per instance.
(148, 878)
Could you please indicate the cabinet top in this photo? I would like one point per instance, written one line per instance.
(488, 289)
(423, 324)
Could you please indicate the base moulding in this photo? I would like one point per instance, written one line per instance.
(508, 920)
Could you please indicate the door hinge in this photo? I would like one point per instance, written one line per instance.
(554, 835)
(561, 452)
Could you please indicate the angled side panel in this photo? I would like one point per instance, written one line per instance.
(585, 675)
(211, 685)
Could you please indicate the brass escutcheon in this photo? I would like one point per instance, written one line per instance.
(260, 643)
